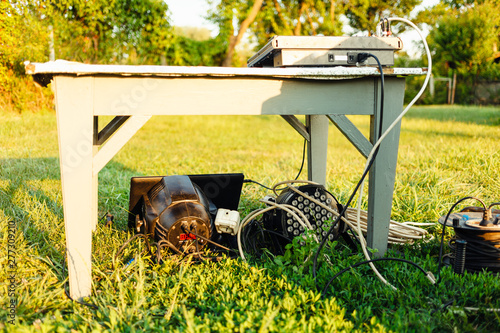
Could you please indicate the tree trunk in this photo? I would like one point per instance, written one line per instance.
(311, 23)
(298, 27)
(52, 52)
(235, 40)
(280, 15)
(477, 99)
(332, 13)
(453, 87)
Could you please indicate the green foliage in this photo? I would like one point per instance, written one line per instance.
(184, 51)
(20, 94)
(445, 153)
(117, 31)
(490, 71)
(464, 40)
(195, 33)
(300, 18)
(22, 37)
(364, 15)
(109, 32)
(284, 17)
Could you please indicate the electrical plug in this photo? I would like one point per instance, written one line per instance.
(227, 221)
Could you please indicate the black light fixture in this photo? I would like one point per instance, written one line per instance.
(279, 227)
(318, 216)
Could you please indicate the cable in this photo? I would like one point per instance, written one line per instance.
(481, 250)
(443, 306)
(398, 232)
(303, 160)
(212, 242)
(66, 291)
(128, 241)
(296, 213)
(415, 233)
(442, 233)
(494, 204)
(296, 177)
(374, 151)
(371, 160)
(428, 275)
(255, 182)
(387, 131)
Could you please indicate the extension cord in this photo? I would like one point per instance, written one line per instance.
(383, 136)
(357, 226)
(399, 232)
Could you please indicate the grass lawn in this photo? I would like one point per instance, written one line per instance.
(445, 153)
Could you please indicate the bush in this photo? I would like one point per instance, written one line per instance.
(20, 94)
(22, 37)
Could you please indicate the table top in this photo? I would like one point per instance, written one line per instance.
(45, 71)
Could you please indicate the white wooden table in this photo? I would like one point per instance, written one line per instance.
(135, 93)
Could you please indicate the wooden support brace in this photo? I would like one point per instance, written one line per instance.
(117, 141)
(298, 126)
(352, 133)
(110, 129)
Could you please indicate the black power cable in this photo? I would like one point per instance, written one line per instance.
(361, 57)
(66, 291)
(296, 177)
(255, 182)
(367, 262)
(303, 160)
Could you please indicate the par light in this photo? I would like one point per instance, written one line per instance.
(318, 216)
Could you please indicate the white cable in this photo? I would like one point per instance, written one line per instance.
(398, 232)
(383, 136)
(304, 222)
(357, 228)
(245, 221)
(300, 218)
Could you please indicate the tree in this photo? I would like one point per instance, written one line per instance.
(364, 15)
(271, 17)
(225, 12)
(98, 31)
(298, 18)
(110, 31)
(464, 39)
(236, 39)
(195, 33)
(184, 51)
(22, 37)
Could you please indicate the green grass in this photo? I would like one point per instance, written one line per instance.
(445, 153)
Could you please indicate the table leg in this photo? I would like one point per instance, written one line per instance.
(317, 147)
(75, 129)
(383, 171)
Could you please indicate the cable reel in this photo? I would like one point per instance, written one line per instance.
(476, 245)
